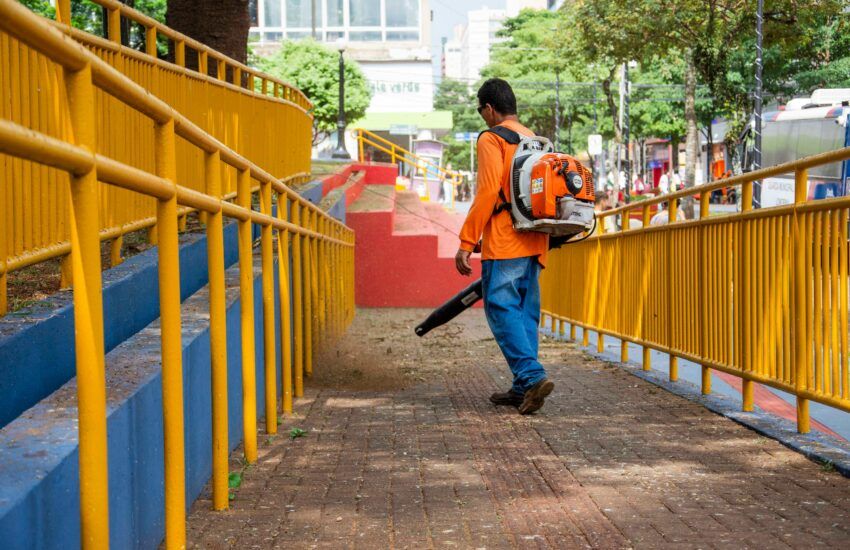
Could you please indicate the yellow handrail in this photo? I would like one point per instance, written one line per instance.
(206, 56)
(73, 77)
(760, 294)
(365, 137)
(37, 231)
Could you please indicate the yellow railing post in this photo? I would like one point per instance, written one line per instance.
(283, 268)
(180, 53)
(307, 265)
(746, 298)
(218, 335)
(115, 251)
(801, 345)
(269, 347)
(113, 25)
(321, 263)
(66, 271)
(600, 338)
(298, 300)
(673, 369)
(246, 308)
(314, 294)
(4, 253)
(63, 11)
(360, 157)
(704, 317)
(150, 42)
(88, 320)
(645, 291)
(622, 303)
(172, 346)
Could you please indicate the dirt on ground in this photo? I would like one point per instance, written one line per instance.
(397, 446)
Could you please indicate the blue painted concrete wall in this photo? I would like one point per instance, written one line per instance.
(30, 368)
(39, 499)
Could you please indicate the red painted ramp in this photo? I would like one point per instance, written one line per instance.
(405, 249)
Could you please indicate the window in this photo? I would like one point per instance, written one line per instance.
(272, 13)
(402, 36)
(299, 13)
(365, 13)
(297, 35)
(365, 36)
(402, 13)
(333, 36)
(272, 36)
(335, 13)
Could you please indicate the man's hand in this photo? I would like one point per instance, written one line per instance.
(462, 262)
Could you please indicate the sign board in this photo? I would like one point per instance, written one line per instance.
(466, 136)
(403, 129)
(594, 144)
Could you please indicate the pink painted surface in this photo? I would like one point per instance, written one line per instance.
(405, 248)
(772, 403)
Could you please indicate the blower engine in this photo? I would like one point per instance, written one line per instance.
(550, 192)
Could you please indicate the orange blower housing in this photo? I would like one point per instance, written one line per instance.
(556, 175)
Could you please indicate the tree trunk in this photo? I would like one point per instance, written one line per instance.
(220, 24)
(692, 133)
(612, 106)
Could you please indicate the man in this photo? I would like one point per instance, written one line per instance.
(511, 261)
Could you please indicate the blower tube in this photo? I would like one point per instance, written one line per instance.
(451, 309)
(474, 292)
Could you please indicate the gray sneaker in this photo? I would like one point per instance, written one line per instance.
(535, 396)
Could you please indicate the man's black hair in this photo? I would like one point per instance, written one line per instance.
(499, 95)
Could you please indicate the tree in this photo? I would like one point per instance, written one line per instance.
(220, 24)
(708, 34)
(314, 68)
(457, 97)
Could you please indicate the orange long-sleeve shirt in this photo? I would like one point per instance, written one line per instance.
(501, 240)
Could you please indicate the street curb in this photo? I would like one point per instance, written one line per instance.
(816, 446)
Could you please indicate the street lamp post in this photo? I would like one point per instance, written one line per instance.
(340, 152)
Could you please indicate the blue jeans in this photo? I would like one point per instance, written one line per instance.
(512, 306)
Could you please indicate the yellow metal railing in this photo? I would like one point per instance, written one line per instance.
(231, 110)
(760, 294)
(72, 78)
(400, 154)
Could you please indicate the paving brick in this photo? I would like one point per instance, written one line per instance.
(609, 462)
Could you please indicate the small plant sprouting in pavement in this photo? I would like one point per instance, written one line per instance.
(297, 432)
(234, 481)
(827, 466)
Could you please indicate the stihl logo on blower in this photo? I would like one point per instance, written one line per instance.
(550, 192)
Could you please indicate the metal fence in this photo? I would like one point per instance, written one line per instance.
(246, 113)
(760, 294)
(72, 168)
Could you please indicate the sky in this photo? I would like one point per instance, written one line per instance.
(447, 14)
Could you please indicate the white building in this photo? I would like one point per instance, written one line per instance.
(390, 40)
(468, 51)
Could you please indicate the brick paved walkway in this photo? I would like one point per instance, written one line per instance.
(426, 462)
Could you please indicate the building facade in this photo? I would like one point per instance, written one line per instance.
(468, 50)
(390, 39)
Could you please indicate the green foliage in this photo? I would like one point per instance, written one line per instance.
(41, 7)
(296, 433)
(457, 97)
(314, 68)
(234, 480)
(88, 16)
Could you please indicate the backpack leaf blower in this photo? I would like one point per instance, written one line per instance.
(550, 193)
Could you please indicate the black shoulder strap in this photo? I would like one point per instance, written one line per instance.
(512, 138)
(505, 133)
